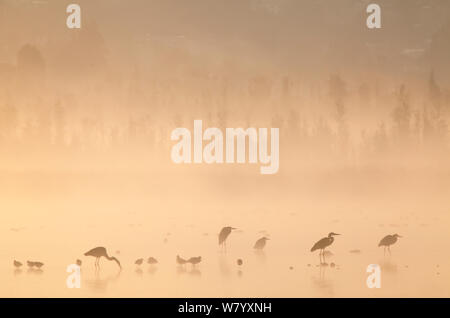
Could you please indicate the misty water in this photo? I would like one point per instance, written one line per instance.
(55, 217)
(86, 117)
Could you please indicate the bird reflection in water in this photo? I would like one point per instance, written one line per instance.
(139, 271)
(260, 256)
(100, 284)
(192, 271)
(224, 266)
(324, 285)
(35, 271)
(387, 266)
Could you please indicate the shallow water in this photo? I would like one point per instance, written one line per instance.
(55, 218)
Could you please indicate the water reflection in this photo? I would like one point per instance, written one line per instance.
(261, 256)
(152, 270)
(387, 266)
(34, 271)
(99, 283)
(193, 271)
(321, 283)
(224, 266)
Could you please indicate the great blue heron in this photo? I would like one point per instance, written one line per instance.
(322, 244)
(387, 241)
(223, 235)
(98, 252)
(261, 243)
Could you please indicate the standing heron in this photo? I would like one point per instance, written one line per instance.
(322, 244)
(387, 241)
(98, 252)
(223, 235)
(261, 243)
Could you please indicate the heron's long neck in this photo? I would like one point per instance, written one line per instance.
(112, 258)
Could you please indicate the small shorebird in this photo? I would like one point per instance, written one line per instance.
(38, 264)
(180, 260)
(152, 261)
(17, 264)
(139, 261)
(195, 260)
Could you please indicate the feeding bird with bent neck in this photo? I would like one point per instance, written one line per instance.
(98, 252)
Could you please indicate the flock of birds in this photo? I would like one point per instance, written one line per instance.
(30, 264)
(321, 245)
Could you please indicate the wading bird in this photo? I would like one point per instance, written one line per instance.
(180, 260)
(259, 245)
(152, 261)
(223, 236)
(139, 261)
(194, 260)
(38, 264)
(99, 252)
(387, 241)
(30, 263)
(322, 244)
(17, 264)
(79, 262)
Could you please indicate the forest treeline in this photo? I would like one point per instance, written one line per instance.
(329, 120)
